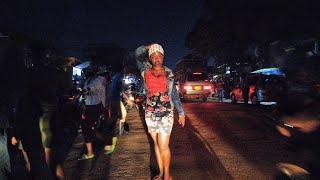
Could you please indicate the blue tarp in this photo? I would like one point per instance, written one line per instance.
(269, 71)
(83, 65)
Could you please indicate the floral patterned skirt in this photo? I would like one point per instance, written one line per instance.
(159, 114)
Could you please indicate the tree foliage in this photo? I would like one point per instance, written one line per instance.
(227, 28)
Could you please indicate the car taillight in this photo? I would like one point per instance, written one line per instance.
(207, 87)
(251, 89)
(188, 87)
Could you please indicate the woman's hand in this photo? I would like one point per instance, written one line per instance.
(182, 120)
(14, 141)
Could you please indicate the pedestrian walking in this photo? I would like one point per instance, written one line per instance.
(116, 113)
(26, 128)
(127, 100)
(95, 87)
(50, 87)
(220, 89)
(162, 97)
(245, 87)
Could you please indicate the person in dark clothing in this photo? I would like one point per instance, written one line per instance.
(38, 108)
(245, 88)
(220, 89)
(50, 87)
(26, 130)
(114, 98)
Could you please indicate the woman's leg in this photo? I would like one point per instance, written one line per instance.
(123, 112)
(157, 152)
(88, 134)
(122, 118)
(89, 148)
(163, 141)
(46, 131)
(111, 139)
(59, 172)
(88, 128)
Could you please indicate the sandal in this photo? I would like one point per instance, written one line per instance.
(86, 157)
(110, 150)
(157, 177)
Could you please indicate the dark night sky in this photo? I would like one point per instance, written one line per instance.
(73, 24)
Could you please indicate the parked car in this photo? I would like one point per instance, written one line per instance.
(195, 85)
(236, 93)
(261, 88)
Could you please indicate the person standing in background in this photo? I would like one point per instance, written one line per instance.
(220, 89)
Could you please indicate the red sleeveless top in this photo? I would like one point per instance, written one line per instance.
(154, 83)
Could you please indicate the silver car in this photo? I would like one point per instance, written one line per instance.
(195, 85)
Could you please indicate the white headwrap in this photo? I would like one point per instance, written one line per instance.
(155, 48)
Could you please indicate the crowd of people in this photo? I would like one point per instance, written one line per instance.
(35, 129)
(34, 126)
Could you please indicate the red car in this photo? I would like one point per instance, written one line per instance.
(263, 88)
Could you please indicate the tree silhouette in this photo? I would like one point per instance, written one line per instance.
(227, 28)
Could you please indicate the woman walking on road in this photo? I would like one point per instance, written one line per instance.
(162, 97)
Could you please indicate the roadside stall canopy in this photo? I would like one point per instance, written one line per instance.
(77, 70)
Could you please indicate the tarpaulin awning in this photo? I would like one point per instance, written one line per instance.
(269, 71)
